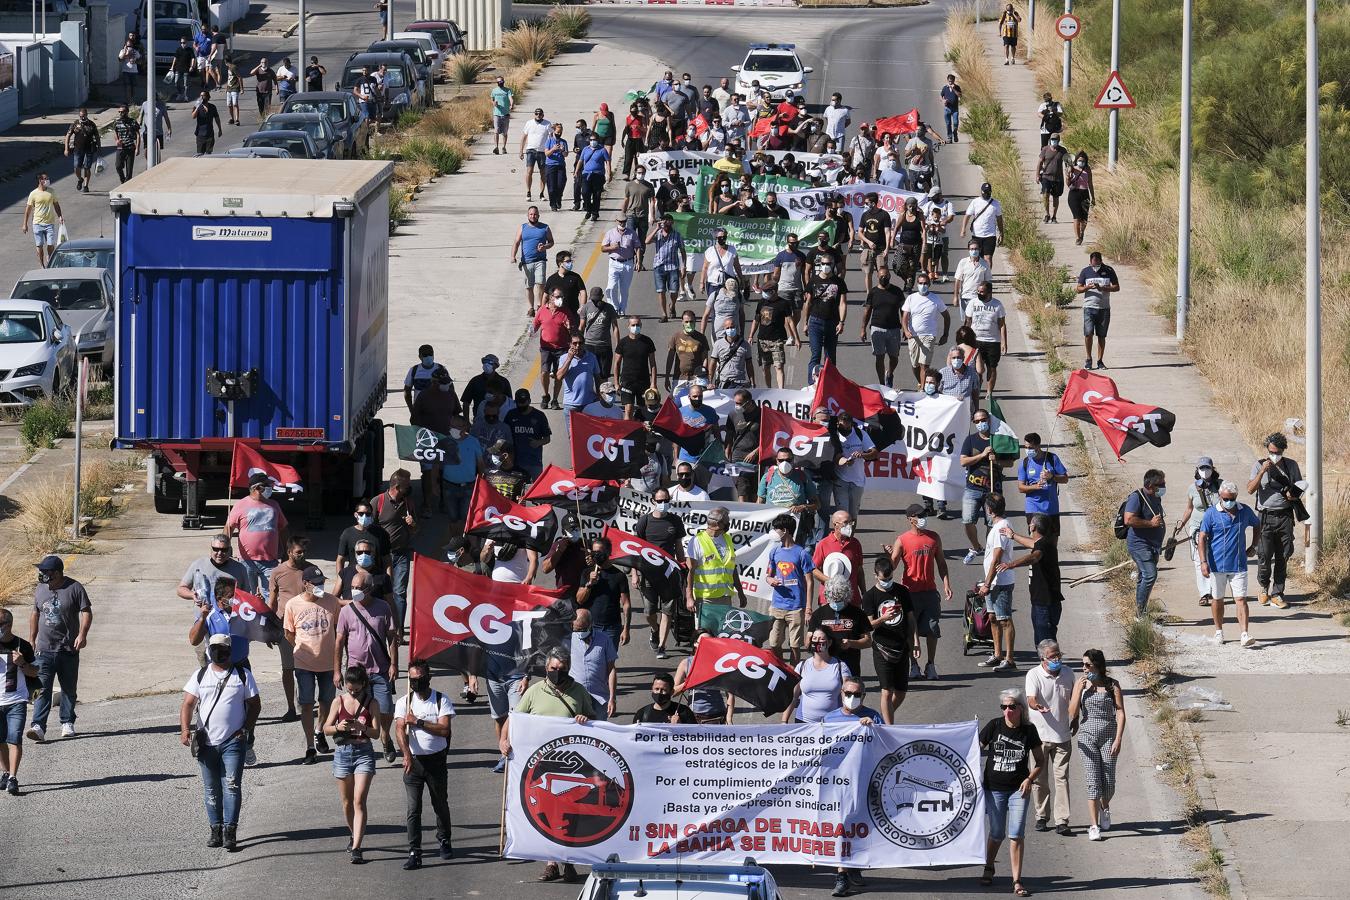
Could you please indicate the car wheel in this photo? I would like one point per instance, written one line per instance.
(56, 384)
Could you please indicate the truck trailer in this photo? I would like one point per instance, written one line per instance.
(252, 308)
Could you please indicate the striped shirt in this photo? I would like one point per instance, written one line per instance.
(668, 249)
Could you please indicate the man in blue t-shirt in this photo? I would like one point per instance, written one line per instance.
(530, 432)
(1144, 538)
(696, 414)
(576, 379)
(1224, 549)
(1039, 476)
(789, 574)
(593, 169)
(458, 474)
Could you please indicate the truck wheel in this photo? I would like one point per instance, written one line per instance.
(168, 496)
(374, 458)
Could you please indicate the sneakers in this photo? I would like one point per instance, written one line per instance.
(651, 642)
(661, 653)
(389, 753)
(36, 733)
(841, 886)
(990, 662)
(1263, 598)
(250, 758)
(321, 745)
(215, 840)
(500, 767)
(930, 672)
(914, 669)
(414, 860)
(1246, 640)
(4, 780)
(468, 695)
(67, 729)
(1104, 820)
(970, 558)
(1087, 364)
(1063, 830)
(1218, 638)
(357, 858)
(1006, 666)
(13, 786)
(311, 757)
(1101, 364)
(1094, 833)
(1278, 601)
(447, 851)
(855, 877)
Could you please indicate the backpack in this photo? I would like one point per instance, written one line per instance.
(1053, 120)
(1122, 530)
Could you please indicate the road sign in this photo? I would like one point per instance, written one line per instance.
(1068, 26)
(1114, 94)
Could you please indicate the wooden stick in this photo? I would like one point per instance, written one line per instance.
(501, 832)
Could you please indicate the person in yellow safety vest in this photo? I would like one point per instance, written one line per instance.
(712, 564)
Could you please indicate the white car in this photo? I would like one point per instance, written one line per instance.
(776, 67)
(672, 881)
(430, 46)
(37, 353)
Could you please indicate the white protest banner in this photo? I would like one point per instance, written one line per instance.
(658, 162)
(810, 203)
(849, 795)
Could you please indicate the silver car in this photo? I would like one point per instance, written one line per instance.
(37, 353)
(83, 298)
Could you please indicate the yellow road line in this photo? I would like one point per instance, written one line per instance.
(533, 374)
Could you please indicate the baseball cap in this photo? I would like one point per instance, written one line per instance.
(258, 478)
(490, 358)
(914, 510)
(986, 187)
(51, 563)
(1204, 461)
(313, 575)
(935, 191)
(219, 640)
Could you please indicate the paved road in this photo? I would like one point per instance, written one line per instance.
(132, 793)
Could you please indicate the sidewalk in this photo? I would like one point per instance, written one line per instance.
(1273, 764)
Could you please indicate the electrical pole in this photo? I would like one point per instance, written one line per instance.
(1031, 26)
(1113, 140)
(1184, 201)
(1068, 54)
(149, 120)
(301, 61)
(1312, 293)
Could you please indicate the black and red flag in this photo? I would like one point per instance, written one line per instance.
(247, 461)
(504, 521)
(670, 424)
(607, 449)
(253, 619)
(811, 444)
(562, 488)
(651, 562)
(837, 394)
(478, 626)
(1124, 423)
(743, 670)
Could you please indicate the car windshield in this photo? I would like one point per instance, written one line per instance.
(172, 31)
(393, 78)
(169, 9)
(313, 128)
(21, 328)
(771, 62)
(440, 35)
(62, 294)
(72, 259)
(335, 110)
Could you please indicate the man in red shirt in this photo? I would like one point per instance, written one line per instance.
(840, 540)
(919, 551)
(554, 325)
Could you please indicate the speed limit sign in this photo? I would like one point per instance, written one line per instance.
(1067, 26)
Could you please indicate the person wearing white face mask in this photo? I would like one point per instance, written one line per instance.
(730, 362)
(458, 474)
(1224, 551)
(553, 323)
(310, 624)
(419, 376)
(959, 378)
(855, 449)
(1049, 687)
(260, 525)
(851, 711)
(634, 365)
(919, 319)
(888, 605)
(971, 272)
(1201, 496)
(790, 487)
(919, 552)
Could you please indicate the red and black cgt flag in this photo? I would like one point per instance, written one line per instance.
(607, 449)
(743, 670)
(562, 488)
(651, 562)
(504, 521)
(837, 394)
(253, 619)
(811, 444)
(247, 461)
(1124, 423)
(671, 424)
(478, 626)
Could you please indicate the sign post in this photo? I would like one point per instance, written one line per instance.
(1068, 27)
(1113, 140)
(81, 390)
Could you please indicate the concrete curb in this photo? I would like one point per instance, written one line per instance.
(703, 3)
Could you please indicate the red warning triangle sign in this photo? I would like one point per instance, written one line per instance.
(1114, 94)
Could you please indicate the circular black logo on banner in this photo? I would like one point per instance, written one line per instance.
(577, 790)
(922, 796)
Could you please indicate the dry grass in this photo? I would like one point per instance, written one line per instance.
(528, 42)
(831, 4)
(461, 118)
(464, 68)
(569, 22)
(965, 51)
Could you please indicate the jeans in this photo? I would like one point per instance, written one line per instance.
(824, 340)
(848, 496)
(593, 185)
(614, 631)
(556, 179)
(428, 770)
(1007, 814)
(953, 119)
(57, 667)
(126, 162)
(1274, 546)
(262, 573)
(222, 780)
(1147, 561)
(399, 563)
(180, 84)
(1045, 621)
(620, 277)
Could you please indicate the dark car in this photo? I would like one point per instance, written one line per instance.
(446, 33)
(342, 110)
(403, 89)
(316, 125)
(297, 143)
(414, 49)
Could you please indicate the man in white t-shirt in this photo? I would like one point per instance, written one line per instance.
(422, 722)
(997, 586)
(919, 318)
(837, 118)
(685, 487)
(989, 320)
(946, 213)
(1049, 688)
(720, 261)
(532, 138)
(855, 450)
(971, 272)
(984, 221)
(223, 702)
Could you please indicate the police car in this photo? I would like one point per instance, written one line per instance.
(776, 67)
(614, 880)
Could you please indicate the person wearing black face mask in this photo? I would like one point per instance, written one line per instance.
(422, 722)
(663, 710)
(604, 594)
(1039, 476)
(58, 630)
(16, 667)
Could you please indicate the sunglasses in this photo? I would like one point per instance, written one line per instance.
(852, 694)
(1008, 706)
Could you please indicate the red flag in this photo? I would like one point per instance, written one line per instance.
(469, 622)
(811, 444)
(700, 124)
(907, 123)
(753, 674)
(608, 449)
(1083, 389)
(254, 619)
(761, 127)
(493, 516)
(561, 487)
(650, 561)
(246, 461)
(837, 394)
(671, 424)
(1124, 423)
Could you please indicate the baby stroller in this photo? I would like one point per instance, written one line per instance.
(979, 624)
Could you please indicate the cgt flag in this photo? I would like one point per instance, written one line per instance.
(424, 445)
(650, 561)
(253, 619)
(811, 444)
(838, 394)
(247, 461)
(1125, 424)
(750, 673)
(724, 621)
(607, 449)
(483, 627)
(670, 424)
(906, 123)
(504, 521)
(561, 487)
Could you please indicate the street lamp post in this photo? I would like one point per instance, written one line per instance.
(1113, 138)
(148, 120)
(1068, 53)
(1184, 200)
(1312, 293)
(300, 60)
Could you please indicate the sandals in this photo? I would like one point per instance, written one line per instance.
(987, 876)
(1020, 889)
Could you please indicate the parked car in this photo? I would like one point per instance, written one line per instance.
(167, 33)
(255, 153)
(435, 58)
(446, 34)
(37, 353)
(297, 143)
(403, 90)
(342, 110)
(316, 125)
(416, 51)
(97, 252)
(83, 298)
(166, 9)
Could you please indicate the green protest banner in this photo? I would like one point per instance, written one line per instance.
(703, 183)
(731, 622)
(425, 445)
(757, 241)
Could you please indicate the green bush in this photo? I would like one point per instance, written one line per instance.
(44, 422)
(570, 22)
(407, 119)
(440, 155)
(982, 121)
(465, 69)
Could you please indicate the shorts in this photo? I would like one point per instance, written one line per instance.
(44, 234)
(892, 668)
(991, 352)
(287, 655)
(83, 159)
(666, 601)
(1007, 814)
(456, 498)
(535, 272)
(1096, 321)
(793, 296)
(305, 683)
(927, 612)
(1220, 583)
(972, 507)
(231, 98)
(500, 124)
(502, 696)
(1052, 186)
(12, 718)
(384, 698)
(998, 602)
(630, 394)
(667, 281)
(534, 158)
(549, 359)
(1010, 41)
(987, 244)
(789, 625)
(921, 348)
(354, 759)
(886, 341)
(872, 260)
(772, 353)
